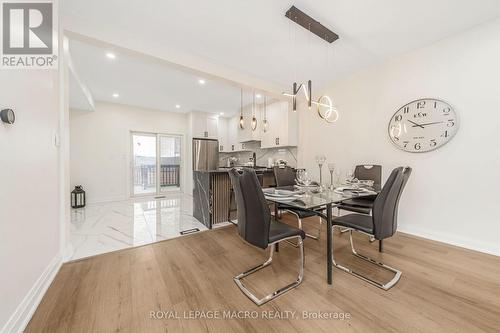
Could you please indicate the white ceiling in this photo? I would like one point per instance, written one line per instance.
(145, 83)
(253, 40)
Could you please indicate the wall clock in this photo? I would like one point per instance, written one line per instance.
(423, 125)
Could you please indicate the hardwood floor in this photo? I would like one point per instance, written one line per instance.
(443, 288)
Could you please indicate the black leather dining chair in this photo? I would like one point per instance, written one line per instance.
(285, 176)
(363, 205)
(257, 227)
(381, 224)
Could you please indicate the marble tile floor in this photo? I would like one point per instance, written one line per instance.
(105, 227)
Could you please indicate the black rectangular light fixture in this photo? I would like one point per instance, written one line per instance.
(307, 22)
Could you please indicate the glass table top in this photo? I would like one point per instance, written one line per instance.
(311, 200)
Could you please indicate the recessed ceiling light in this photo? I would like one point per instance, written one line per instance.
(116, 95)
(110, 55)
(221, 113)
(201, 81)
(177, 106)
(258, 96)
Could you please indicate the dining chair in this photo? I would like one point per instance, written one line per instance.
(364, 205)
(285, 176)
(381, 224)
(257, 227)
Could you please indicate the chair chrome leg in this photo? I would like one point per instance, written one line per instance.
(280, 291)
(299, 220)
(384, 286)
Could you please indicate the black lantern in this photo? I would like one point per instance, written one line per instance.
(78, 197)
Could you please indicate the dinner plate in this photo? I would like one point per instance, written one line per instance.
(283, 199)
(278, 193)
(341, 190)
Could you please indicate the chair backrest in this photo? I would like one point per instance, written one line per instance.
(385, 207)
(369, 172)
(284, 176)
(254, 216)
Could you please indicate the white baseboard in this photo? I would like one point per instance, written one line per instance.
(21, 317)
(451, 239)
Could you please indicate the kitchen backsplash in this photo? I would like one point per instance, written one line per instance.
(289, 154)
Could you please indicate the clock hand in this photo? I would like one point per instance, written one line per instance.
(436, 122)
(415, 124)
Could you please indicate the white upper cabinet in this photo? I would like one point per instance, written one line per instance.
(224, 145)
(246, 134)
(282, 128)
(234, 135)
(204, 125)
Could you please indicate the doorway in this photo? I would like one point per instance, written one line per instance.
(156, 163)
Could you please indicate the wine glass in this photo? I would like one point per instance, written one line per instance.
(331, 168)
(320, 160)
(300, 176)
(349, 176)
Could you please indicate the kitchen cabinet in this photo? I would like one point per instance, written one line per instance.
(246, 134)
(222, 126)
(204, 125)
(233, 131)
(282, 129)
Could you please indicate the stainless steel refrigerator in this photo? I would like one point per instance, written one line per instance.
(205, 154)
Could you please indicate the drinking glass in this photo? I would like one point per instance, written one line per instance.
(331, 168)
(320, 160)
(349, 176)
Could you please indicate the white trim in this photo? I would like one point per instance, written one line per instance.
(448, 238)
(21, 317)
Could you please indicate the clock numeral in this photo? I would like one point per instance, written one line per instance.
(421, 105)
(435, 104)
(396, 138)
(398, 117)
(433, 143)
(446, 111)
(417, 146)
(451, 123)
(405, 143)
(445, 134)
(406, 109)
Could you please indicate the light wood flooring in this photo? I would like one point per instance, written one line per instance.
(443, 288)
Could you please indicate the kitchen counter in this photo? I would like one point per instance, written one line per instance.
(213, 198)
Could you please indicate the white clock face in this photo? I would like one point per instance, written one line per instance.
(423, 125)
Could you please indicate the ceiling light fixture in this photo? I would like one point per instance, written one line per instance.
(177, 106)
(221, 113)
(111, 55)
(242, 121)
(264, 121)
(201, 81)
(258, 96)
(116, 95)
(324, 104)
(254, 118)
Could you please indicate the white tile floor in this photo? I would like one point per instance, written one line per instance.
(105, 227)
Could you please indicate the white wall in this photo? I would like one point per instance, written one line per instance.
(29, 190)
(452, 194)
(100, 146)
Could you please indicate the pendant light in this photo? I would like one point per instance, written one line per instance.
(254, 118)
(264, 122)
(242, 121)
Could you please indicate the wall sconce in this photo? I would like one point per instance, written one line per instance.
(8, 116)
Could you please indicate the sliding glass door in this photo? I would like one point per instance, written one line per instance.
(170, 162)
(156, 163)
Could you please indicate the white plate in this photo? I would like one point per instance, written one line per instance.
(341, 190)
(278, 193)
(282, 199)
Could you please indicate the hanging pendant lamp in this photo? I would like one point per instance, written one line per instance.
(242, 120)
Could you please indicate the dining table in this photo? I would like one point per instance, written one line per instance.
(320, 203)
